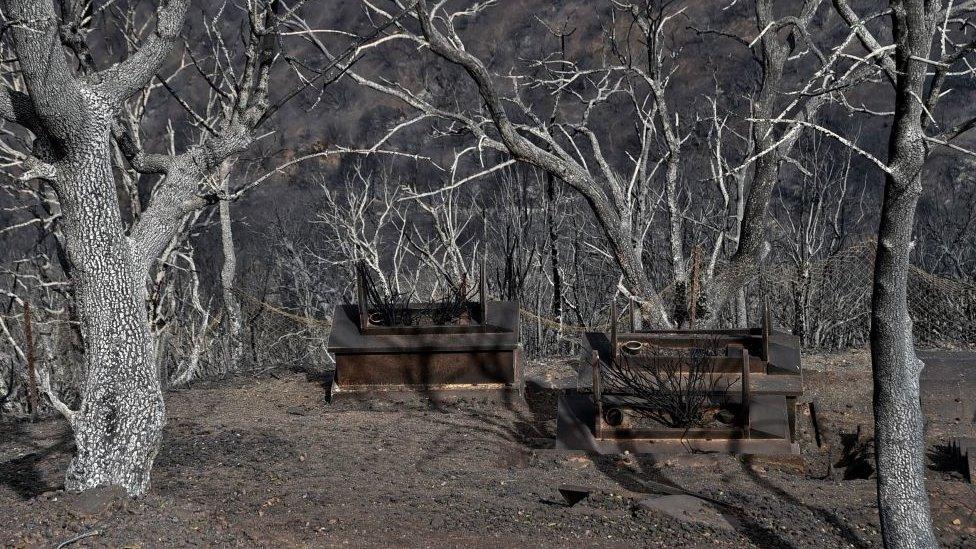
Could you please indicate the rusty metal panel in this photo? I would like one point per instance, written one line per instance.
(426, 368)
(501, 334)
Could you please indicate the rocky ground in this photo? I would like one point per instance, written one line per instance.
(267, 462)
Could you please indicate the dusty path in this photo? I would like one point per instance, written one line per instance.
(266, 462)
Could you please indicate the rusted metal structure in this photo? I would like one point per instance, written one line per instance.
(757, 371)
(477, 354)
(963, 449)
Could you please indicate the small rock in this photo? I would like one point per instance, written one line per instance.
(298, 410)
(725, 416)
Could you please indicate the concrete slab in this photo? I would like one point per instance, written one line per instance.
(689, 509)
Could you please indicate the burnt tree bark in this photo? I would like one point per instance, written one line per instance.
(74, 118)
(898, 422)
(119, 424)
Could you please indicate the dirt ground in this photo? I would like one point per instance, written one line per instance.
(268, 462)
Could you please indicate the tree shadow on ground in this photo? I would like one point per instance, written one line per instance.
(22, 474)
(857, 456)
(531, 423)
(848, 533)
(946, 458)
(643, 476)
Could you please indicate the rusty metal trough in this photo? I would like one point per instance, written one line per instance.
(758, 373)
(478, 356)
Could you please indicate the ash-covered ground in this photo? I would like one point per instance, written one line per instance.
(267, 461)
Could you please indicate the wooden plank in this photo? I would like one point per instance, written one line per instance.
(768, 417)
(666, 433)
(425, 368)
(779, 384)
(500, 392)
(784, 352)
(760, 384)
(717, 365)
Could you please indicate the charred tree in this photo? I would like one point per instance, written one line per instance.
(74, 116)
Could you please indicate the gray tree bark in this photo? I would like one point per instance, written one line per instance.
(119, 423)
(228, 271)
(898, 422)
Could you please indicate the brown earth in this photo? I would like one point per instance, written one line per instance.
(267, 462)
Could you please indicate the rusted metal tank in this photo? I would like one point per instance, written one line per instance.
(428, 359)
(754, 371)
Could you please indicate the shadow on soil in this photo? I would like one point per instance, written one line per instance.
(641, 475)
(22, 474)
(857, 456)
(848, 533)
(945, 458)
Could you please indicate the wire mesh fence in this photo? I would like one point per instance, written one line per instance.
(826, 303)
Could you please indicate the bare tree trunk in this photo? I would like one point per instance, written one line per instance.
(120, 422)
(228, 271)
(754, 216)
(898, 423)
(557, 279)
(741, 309)
(899, 437)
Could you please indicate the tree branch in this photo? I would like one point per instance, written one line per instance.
(118, 82)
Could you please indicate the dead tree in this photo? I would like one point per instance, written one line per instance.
(778, 40)
(569, 150)
(74, 116)
(898, 423)
(931, 49)
(233, 349)
(514, 118)
(816, 215)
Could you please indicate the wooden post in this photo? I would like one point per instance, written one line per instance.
(33, 394)
(746, 395)
(633, 316)
(613, 331)
(766, 329)
(361, 303)
(597, 393)
(483, 292)
(693, 292)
